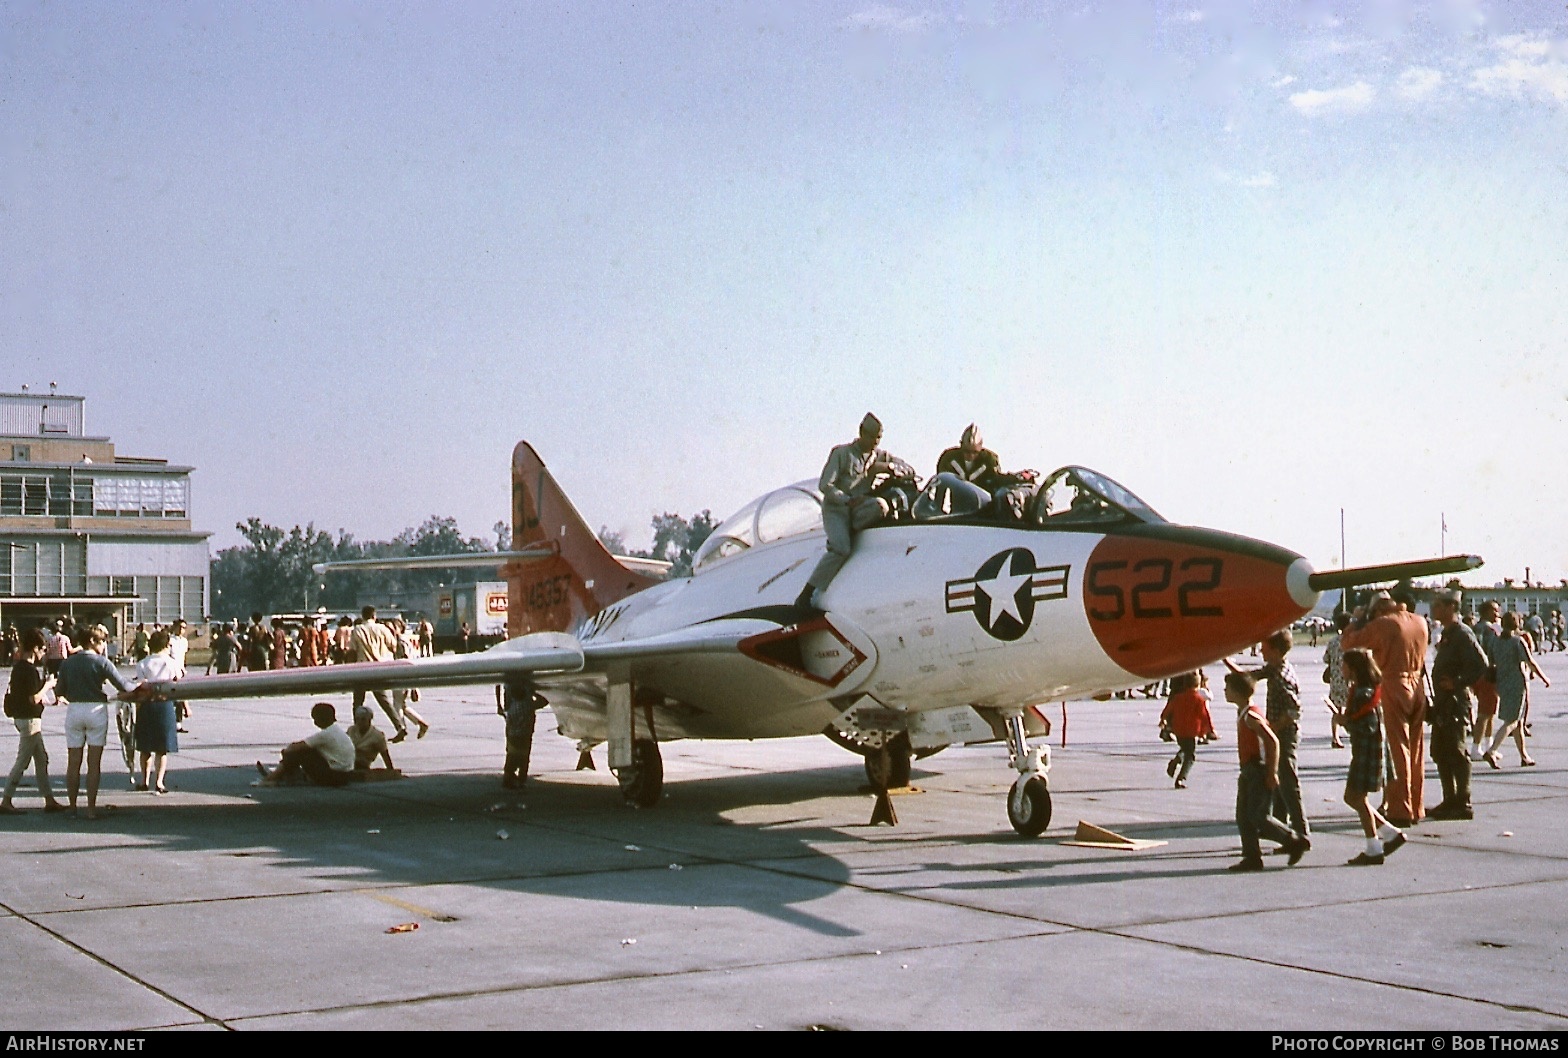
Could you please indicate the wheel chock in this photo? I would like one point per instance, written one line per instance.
(1089, 836)
(882, 811)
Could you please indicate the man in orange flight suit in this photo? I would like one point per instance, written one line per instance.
(1397, 639)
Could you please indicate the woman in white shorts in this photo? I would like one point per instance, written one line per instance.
(81, 680)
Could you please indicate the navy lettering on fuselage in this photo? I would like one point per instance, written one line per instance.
(1003, 592)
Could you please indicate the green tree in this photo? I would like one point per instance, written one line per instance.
(271, 572)
(675, 540)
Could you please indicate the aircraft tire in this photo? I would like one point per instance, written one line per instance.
(643, 783)
(899, 756)
(1029, 806)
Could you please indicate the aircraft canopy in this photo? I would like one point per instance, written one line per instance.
(1074, 495)
(790, 511)
(1070, 496)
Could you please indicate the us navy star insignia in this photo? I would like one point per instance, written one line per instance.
(1004, 590)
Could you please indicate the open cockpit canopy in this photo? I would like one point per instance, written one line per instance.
(1069, 498)
(1074, 495)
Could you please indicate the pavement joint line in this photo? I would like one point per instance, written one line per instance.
(1193, 919)
(437, 997)
(501, 990)
(487, 879)
(929, 896)
(207, 1019)
(695, 860)
(1339, 975)
(1070, 928)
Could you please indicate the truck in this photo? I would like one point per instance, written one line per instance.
(482, 606)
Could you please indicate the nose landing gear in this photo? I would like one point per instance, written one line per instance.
(1029, 800)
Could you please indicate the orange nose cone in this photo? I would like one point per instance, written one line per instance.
(1164, 599)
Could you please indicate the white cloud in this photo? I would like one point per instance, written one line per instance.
(1191, 16)
(1531, 67)
(1281, 82)
(1418, 83)
(884, 19)
(1524, 46)
(1263, 179)
(1316, 102)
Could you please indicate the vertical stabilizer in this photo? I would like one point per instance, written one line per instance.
(579, 579)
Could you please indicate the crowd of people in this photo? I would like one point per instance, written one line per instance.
(1387, 683)
(71, 665)
(264, 644)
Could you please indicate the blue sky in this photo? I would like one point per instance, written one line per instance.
(1256, 261)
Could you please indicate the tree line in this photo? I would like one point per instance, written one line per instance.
(271, 571)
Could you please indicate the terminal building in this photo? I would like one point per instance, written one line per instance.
(89, 534)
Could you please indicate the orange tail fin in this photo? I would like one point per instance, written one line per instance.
(579, 579)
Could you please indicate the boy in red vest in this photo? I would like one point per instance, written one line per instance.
(1258, 748)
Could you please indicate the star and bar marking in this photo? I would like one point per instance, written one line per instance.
(1003, 592)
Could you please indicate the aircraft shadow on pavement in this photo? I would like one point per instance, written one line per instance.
(567, 838)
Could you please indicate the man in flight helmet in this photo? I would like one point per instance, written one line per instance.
(971, 461)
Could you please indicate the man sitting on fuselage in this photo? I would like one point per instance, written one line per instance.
(973, 462)
(848, 505)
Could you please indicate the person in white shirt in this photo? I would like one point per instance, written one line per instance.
(326, 758)
(179, 646)
(155, 723)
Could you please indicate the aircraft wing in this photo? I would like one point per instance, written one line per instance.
(541, 652)
(1428, 567)
(714, 637)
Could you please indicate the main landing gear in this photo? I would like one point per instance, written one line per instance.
(1029, 801)
(642, 782)
(888, 755)
(888, 767)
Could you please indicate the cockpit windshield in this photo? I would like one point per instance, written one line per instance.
(790, 511)
(1075, 495)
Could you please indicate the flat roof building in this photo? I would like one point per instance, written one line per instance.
(89, 534)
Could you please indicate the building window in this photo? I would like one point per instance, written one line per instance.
(125, 497)
(35, 496)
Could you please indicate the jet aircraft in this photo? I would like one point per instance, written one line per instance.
(950, 624)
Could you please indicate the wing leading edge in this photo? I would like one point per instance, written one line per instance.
(542, 653)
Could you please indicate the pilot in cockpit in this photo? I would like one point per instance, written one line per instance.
(973, 462)
(850, 501)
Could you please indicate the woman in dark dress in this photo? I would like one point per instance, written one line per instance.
(155, 722)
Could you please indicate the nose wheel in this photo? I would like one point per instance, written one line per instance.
(642, 784)
(1029, 805)
(1029, 800)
